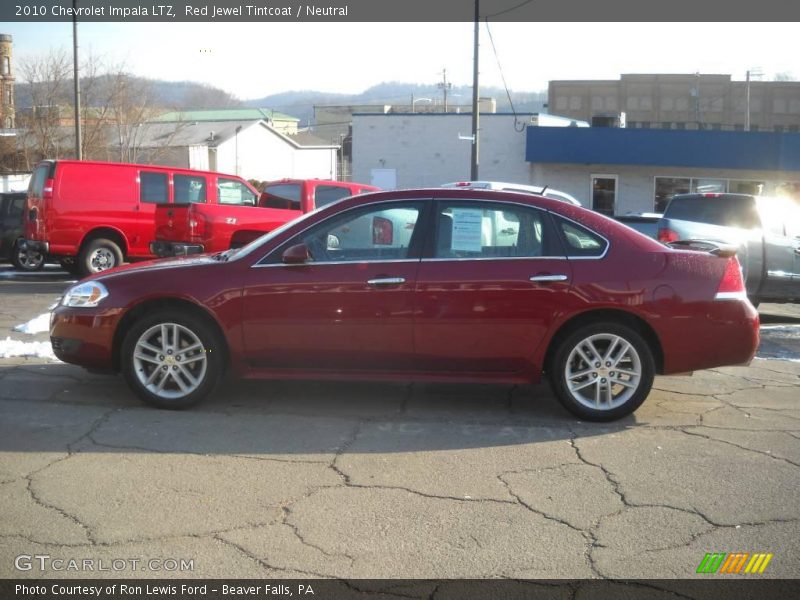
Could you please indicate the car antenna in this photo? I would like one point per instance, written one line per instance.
(544, 189)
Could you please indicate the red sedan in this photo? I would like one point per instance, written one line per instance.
(425, 285)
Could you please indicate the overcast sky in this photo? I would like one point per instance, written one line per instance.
(251, 60)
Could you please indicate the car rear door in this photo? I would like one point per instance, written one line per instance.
(491, 280)
(351, 307)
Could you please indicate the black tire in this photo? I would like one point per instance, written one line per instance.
(138, 372)
(625, 399)
(98, 255)
(26, 260)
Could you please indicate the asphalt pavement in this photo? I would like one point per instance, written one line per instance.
(363, 480)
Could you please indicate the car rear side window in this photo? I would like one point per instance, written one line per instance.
(581, 242)
(189, 189)
(16, 207)
(725, 210)
(234, 192)
(284, 195)
(327, 194)
(36, 188)
(153, 187)
(481, 230)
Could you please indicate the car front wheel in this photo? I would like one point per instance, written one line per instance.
(172, 360)
(602, 372)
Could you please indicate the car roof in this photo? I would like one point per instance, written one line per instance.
(515, 187)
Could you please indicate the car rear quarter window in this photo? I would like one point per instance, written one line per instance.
(189, 189)
(153, 187)
(580, 241)
(725, 210)
(283, 195)
(327, 194)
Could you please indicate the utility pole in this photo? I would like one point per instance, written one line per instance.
(76, 75)
(444, 85)
(475, 98)
(750, 73)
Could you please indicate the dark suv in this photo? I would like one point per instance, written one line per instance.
(766, 231)
(12, 210)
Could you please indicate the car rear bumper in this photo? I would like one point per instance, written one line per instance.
(34, 246)
(726, 334)
(166, 249)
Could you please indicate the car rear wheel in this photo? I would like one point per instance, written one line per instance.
(99, 255)
(603, 371)
(26, 260)
(172, 360)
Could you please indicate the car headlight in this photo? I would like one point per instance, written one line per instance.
(85, 295)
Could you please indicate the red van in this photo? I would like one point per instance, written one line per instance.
(92, 216)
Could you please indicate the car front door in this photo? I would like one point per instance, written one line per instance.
(780, 250)
(488, 287)
(350, 307)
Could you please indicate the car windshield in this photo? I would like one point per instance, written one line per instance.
(238, 253)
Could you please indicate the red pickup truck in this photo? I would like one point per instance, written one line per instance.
(233, 221)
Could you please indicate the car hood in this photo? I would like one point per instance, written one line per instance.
(178, 262)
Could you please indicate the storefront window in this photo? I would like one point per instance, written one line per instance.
(745, 187)
(666, 187)
(709, 186)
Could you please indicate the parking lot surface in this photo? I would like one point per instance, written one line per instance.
(280, 479)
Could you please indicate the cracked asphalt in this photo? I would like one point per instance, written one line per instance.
(362, 480)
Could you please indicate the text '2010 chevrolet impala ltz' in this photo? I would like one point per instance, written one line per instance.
(421, 285)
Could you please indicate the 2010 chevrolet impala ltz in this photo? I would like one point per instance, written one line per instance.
(424, 285)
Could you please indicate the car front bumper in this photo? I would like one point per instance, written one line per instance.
(85, 336)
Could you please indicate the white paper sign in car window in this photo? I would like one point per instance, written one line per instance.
(467, 230)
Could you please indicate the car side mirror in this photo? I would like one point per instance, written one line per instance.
(296, 255)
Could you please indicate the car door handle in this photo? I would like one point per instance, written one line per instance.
(382, 281)
(545, 278)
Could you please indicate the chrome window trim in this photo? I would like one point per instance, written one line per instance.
(282, 244)
(484, 258)
(338, 262)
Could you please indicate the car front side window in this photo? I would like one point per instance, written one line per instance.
(377, 233)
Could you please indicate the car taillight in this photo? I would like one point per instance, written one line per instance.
(196, 229)
(665, 236)
(47, 190)
(731, 287)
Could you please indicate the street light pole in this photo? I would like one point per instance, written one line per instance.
(475, 105)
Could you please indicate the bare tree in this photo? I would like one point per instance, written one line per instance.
(48, 77)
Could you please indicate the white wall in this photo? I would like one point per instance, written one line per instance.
(425, 149)
(14, 183)
(265, 155)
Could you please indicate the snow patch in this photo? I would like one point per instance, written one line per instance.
(15, 348)
(40, 324)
